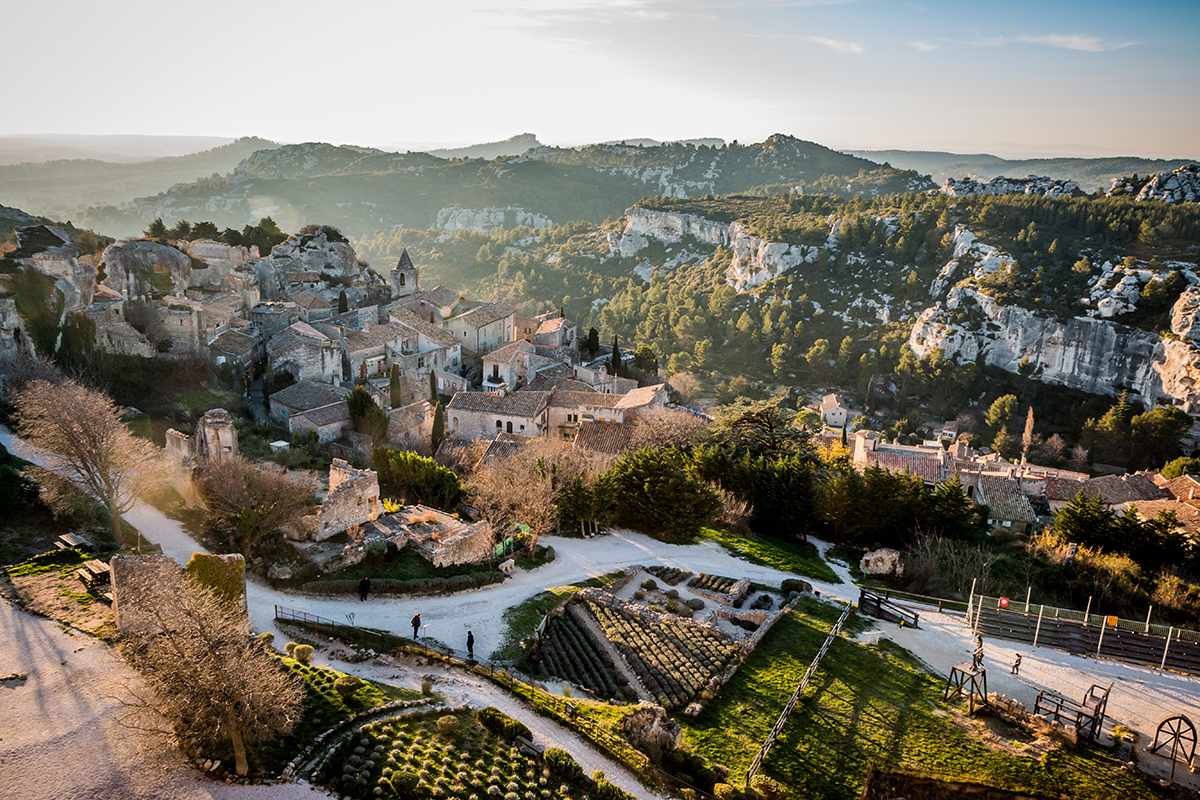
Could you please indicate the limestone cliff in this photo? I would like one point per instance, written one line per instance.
(1034, 184)
(143, 268)
(1180, 185)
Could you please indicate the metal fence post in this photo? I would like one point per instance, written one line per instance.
(1038, 629)
(1103, 625)
(1166, 647)
(1028, 592)
(1088, 611)
(1148, 611)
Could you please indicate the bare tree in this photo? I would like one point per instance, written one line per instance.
(527, 485)
(218, 690)
(246, 503)
(87, 447)
(658, 427)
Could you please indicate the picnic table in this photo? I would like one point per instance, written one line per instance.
(72, 539)
(94, 573)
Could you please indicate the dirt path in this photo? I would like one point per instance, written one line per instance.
(59, 738)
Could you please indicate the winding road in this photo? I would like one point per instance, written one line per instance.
(1140, 697)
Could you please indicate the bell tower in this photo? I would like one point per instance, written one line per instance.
(404, 277)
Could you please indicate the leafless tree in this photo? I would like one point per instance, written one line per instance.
(246, 503)
(22, 369)
(657, 427)
(527, 485)
(937, 564)
(218, 690)
(87, 447)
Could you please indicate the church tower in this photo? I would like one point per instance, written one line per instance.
(404, 277)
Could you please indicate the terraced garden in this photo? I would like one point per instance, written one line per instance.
(712, 583)
(674, 660)
(567, 650)
(454, 755)
(669, 575)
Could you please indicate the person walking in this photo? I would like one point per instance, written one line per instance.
(977, 656)
(364, 588)
(416, 624)
(1016, 667)
(470, 645)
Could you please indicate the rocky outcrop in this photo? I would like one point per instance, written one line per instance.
(1039, 185)
(1180, 185)
(143, 268)
(214, 261)
(317, 251)
(456, 218)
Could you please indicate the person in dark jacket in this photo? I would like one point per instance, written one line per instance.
(364, 588)
(416, 624)
(470, 645)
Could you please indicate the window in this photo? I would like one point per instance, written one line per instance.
(509, 426)
(402, 278)
(499, 424)
(495, 372)
(522, 427)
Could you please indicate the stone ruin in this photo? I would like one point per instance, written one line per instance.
(215, 441)
(352, 501)
(225, 574)
(884, 561)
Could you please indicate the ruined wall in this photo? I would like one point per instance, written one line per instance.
(471, 545)
(353, 499)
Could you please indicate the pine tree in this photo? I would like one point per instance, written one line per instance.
(394, 388)
(343, 302)
(439, 427)
(593, 342)
(156, 229)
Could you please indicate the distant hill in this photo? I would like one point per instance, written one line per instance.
(1092, 174)
(62, 188)
(362, 190)
(51, 147)
(512, 146)
(644, 142)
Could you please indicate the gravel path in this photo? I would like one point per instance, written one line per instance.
(59, 737)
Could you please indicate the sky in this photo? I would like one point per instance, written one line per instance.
(1014, 78)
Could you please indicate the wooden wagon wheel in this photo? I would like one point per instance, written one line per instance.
(1179, 734)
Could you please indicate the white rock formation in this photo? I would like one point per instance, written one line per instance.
(1034, 184)
(456, 218)
(220, 260)
(142, 268)
(314, 252)
(1180, 185)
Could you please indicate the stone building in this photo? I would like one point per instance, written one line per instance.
(423, 346)
(305, 353)
(513, 365)
(568, 408)
(272, 317)
(411, 426)
(304, 396)
(352, 500)
(328, 422)
(471, 415)
(483, 327)
(441, 539)
(214, 441)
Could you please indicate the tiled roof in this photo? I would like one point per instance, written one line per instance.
(509, 351)
(233, 342)
(1185, 487)
(408, 319)
(309, 299)
(515, 404)
(326, 415)
(924, 465)
(1002, 495)
(106, 293)
(307, 395)
(502, 447)
(551, 325)
(603, 437)
(830, 402)
(1062, 488)
(439, 296)
(569, 398)
(1188, 515)
(375, 336)
(640, 397)
(485, 314)
(1115, 489)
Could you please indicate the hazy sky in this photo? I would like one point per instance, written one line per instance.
(1011, 77)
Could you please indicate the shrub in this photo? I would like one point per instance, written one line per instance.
(562, 765)
(767, 788)
(501, 724)
(695, 604)
(447, 723)
(725, 791)
(290, 648)
(346, 686)
(303, 653)
(404, 783)
(603, 789)
(658, 492)
(426, 687)
(795, 585)
(649, 585)
(266, 639)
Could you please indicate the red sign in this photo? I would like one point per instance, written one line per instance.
(1003, 602)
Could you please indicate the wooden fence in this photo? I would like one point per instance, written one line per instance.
(1081, 633)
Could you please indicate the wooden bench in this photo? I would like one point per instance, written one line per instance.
(94, 573)
(71, 539)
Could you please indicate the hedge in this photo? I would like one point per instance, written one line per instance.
(437, 585)
(502, 725)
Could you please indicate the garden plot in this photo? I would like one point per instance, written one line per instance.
(449, 754)
(712, 599)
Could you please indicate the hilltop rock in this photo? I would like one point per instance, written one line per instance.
(1180, 185)
(143, 268)
(316, 249)
(218, 260)
(1039, 185)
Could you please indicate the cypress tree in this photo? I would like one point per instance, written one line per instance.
(439, 427)
(614, 361)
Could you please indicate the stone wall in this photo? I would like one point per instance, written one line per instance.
(353, 499)
(411, 426)
(470, 545)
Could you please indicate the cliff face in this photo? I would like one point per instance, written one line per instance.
(1034, 184)
(1180, 185)
(141, 269)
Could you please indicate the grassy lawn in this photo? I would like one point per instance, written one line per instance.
(404, 565)
(871, 705)
(521, 620)
(801, 558)
(46, 584)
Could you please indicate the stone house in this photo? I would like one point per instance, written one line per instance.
(568, 408)
(328, 423)
(1009, 509)
(352, 500)
(602, 438)
(313, 305)
(272, 317)
(472, 415)
(641, 398)
(239, 349)
(513, 365)
(303, 396)
(304, 352)
(1111, 490)
(484, 327)
(596, 375)
(215, 441)
(410, 427)
(183, 323)
(929, 463)
(555, 332)
(423, 346)
(833, 413)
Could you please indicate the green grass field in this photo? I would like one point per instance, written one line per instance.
(871, 706)
(801, 558)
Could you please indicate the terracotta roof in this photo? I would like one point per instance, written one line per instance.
(558, 375)
(106, 293)
(307, 395)
(1062, 488)
(924, 465)
(309, 299)
(233, 342)
(640, 397)
(1185, 487)
(515, 404)
(374, 336)
(830, 402)
(509, 351)
(551, 325)
(1188, 516)
(412, 321)
(603, 437)
(503, 446)
(439, 296)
